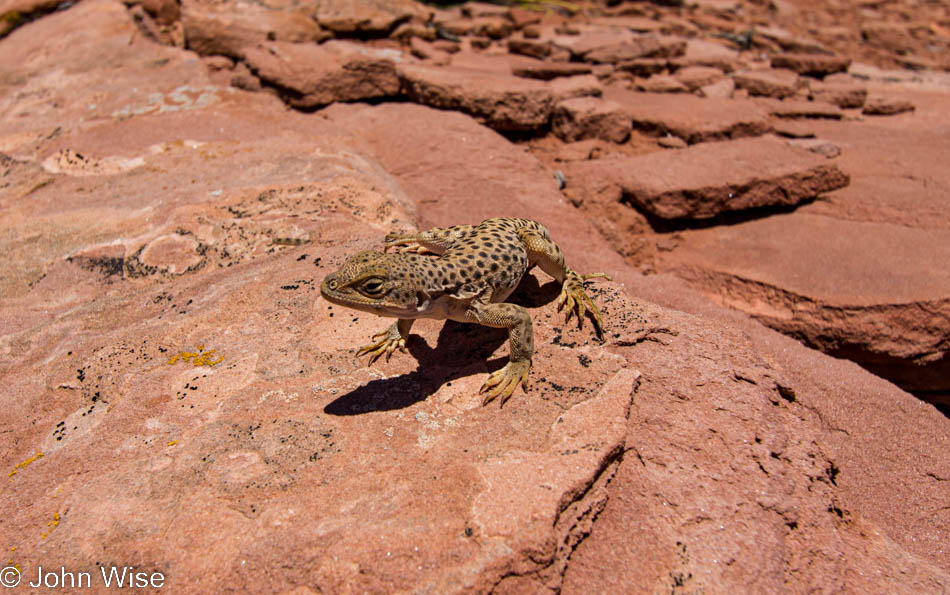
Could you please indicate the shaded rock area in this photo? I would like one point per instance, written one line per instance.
(176, 179)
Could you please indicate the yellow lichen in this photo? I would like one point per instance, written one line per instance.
(23, 465)
(173, 443)
(201, 358)
(51, 525)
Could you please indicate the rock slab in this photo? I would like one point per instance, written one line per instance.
(225, 29)
(501, 101)
(874, 293)
(691, 118)
(711, 179)
(588, 117)
(308, 75)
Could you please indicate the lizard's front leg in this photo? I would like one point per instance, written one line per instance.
(516, 319)
(388, 340)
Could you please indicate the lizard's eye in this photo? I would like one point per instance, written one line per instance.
(372, 286)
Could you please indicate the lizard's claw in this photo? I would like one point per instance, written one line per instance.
(576, 300)
(388, 341)
(503, 382)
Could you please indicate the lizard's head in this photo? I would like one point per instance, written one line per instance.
(377, 283)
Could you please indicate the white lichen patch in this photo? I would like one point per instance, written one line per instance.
(185, 97)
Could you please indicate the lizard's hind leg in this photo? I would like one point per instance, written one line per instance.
(433, 241)
(547, 255)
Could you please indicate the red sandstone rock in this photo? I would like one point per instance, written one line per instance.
(121, 77)
(881, 105)
(709, 54)
(372, 16)
(581, 150)
(290, 467)
(496, 63)
(896, 166)
(671, 142)
(165, 12)
(695, 77)
(530, 47)
(411, 30)
(662, 83)
(426, 51)
(844, 95)
(817, 65)
(314, 75)
(722, 89)
(588, 117)
(646, 46)
(501, 101)
(795, 128)
(890, 36)
(774, 82)
(790, 42)
(633, 23)
(593, 39)
(856, 291)
(523, 18)
(498, 176)
(713, 178)
(817, 145)
(796, 108)
(567, 87)
(644, 67)
(691, 118)
(230, 28)
(486, 26)
(493, 27)
(550, 70)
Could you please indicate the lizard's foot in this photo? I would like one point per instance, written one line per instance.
(577, 301)
(387, 341)
(404, 243)
(503, 382)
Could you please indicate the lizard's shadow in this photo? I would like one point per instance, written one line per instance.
(458, 347)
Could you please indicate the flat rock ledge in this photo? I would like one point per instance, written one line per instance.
(706, 180)
(692, 118)
(869, 292)
(309, 75)
(504, 102)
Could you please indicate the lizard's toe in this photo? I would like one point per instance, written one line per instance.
(502, 383)
(577, 302)
(388, 343)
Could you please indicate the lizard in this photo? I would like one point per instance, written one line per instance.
(462, 273)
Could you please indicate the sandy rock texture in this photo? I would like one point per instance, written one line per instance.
(176, 179)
